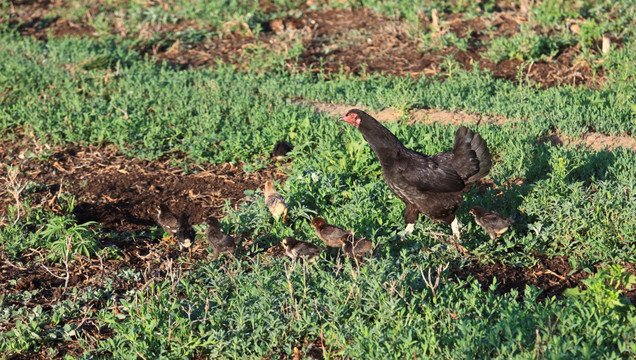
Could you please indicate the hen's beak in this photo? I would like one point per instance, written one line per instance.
(341, 118)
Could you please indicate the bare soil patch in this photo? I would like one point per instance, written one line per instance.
(424, 116)
(592, 140)
(549, 275)
(123, 194)
(359, 41)
(36, 18)
(353, 41)
(599, 141)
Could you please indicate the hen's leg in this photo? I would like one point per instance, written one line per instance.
(407, 231)
(410, 218)
(455, 228)
(457, 238)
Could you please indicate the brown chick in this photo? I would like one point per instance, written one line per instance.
(295, 249)
(357, 248)
(167, 220)
(332, 235)
(185, 234)
(221, 243)
(494, 223)
(275, 202)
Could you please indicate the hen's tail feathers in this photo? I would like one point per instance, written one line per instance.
(471, 157)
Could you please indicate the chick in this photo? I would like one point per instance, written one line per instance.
(167, 220)
(357, 248)
(332, 235)
(281, 149)
(295, 249)
(275, 202)
(185, 234)
(221, 243)
(494, 223)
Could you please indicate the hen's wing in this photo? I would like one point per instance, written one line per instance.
(425, 174)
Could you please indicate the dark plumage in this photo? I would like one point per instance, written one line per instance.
(167, 220)
(295, 249)
(431, 185)
(185, 234)
(357, 248)
(494, 223)
(332, 235)
(221, 243)
(281, 149)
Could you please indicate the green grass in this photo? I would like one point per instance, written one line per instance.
(223, 115)
(576, 203)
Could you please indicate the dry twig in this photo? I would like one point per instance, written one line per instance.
(433, 284)
(14, 187)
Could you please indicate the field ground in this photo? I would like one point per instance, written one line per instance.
(111, 107)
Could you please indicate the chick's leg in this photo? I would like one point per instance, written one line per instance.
(168, 238)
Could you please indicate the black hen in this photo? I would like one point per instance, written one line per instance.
(431, 185)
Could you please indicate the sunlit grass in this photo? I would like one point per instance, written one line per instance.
(574, 202)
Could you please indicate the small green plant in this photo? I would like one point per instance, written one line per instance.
(549, 12)
(603, 288)
(591, 32)
(62, 232)
(527, 45)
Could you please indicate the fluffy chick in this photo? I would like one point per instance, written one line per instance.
(221, 243)
(332, 235)
(274, 201)
(296, 248)
(494, 223)
(167, 220)
(357, 248)
(185, 234)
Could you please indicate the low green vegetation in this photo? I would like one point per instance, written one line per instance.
(572, 202)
